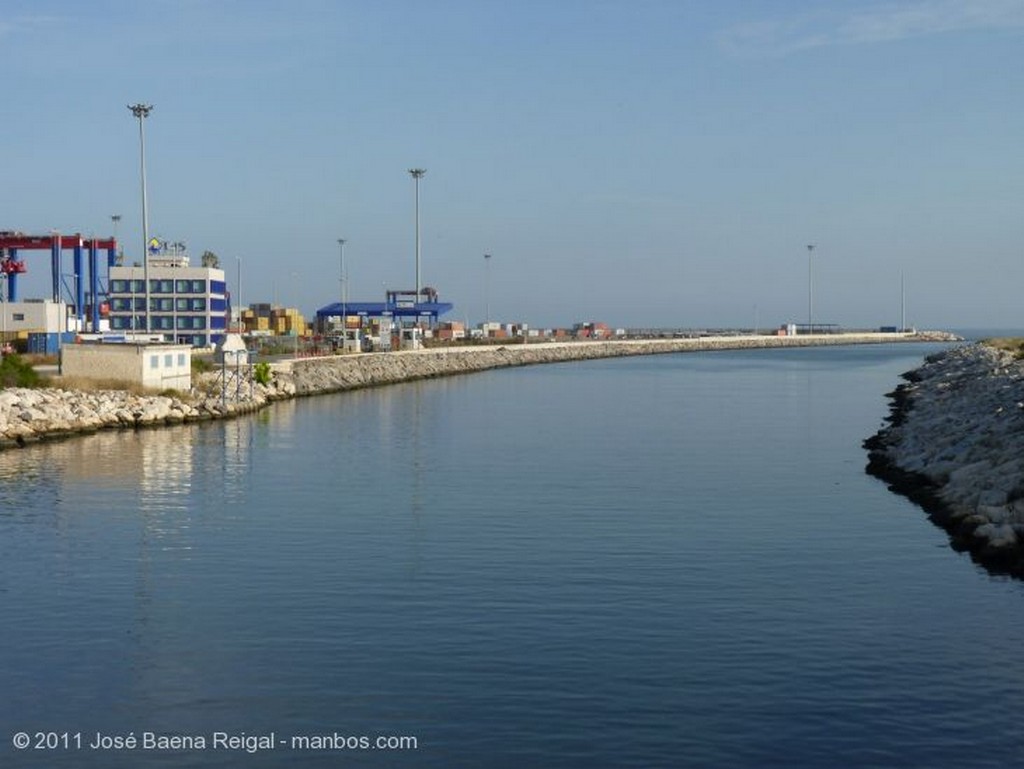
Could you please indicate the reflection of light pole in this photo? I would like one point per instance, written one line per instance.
(344, 282)
(810, 291)
(487, 288)
(417, 174)
(141, 111)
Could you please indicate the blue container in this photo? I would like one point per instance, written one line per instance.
(46, 344)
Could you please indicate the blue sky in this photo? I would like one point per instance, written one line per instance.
(642, 162)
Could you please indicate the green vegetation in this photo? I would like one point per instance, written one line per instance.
(15, 371)
(261, 373)
(201, 365)
(1013, 344)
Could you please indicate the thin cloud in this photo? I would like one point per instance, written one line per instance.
(20, 24)
(879, 24)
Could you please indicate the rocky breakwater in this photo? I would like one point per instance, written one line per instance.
(31, 415)
(317, 375)
(955, 445)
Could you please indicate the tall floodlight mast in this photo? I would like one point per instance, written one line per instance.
(344, 283)
(417, 174)
(141, 111)
(810, 291)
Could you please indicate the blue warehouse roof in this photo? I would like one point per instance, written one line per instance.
(378, 309)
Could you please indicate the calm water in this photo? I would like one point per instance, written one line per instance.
(666, 561)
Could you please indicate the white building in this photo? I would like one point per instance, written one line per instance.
(159, 366)
(188, 305)
(40, 315)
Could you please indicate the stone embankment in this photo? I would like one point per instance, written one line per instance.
(955, 445)
(32, 415)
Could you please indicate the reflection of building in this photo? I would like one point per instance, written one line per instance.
(187, 304)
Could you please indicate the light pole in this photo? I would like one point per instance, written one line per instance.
(344, 283)
(3, 302)
(810, 291)
(115, 218)
(903, 305)
(141, 111)
(417, 174)
(487, 288)
(238, 299)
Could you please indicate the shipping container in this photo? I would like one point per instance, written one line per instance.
(40, 343)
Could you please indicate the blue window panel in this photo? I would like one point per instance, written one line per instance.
(218, 287)
(218, 305)
(218, 321)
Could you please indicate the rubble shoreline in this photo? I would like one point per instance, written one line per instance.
(31, 415)
(954, 445)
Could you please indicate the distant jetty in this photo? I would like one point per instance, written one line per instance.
(955, 445)
(31, 415)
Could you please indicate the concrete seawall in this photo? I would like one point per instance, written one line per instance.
(27, 416)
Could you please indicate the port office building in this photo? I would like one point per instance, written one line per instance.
(187, 305)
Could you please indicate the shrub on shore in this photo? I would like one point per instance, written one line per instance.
(17, 372)
(1013, 344)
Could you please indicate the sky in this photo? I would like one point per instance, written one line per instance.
(646, 163)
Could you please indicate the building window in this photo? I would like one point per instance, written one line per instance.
(181, 359)
(168, 360)
(19, 316)
(198, 305)
(182, 286)
(181, 305)
(121, 305)
(199, 340)
(138, 287)
(154, 361)
(218, 286)
(198, 286)
(119, 286)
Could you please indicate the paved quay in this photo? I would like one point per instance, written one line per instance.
(30, 415)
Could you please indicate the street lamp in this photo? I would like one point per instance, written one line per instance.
(487, 288)
(141, 111)
(238, 297)
(116, 219)
(810, 291)
(344, 283)
(417, 174)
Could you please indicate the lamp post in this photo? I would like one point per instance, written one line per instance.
(238, 299)
(810, 291)
(116, 219)
(141, 111)
(417, 174)
(3, 302)
(487, 288)
(344, 283)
